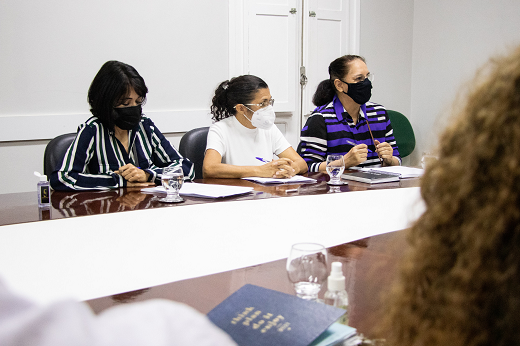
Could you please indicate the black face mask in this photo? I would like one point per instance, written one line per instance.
(128, 117)
(359, 92)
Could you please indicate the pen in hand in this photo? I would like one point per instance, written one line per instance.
(265, 161)
(261, 159)
(354, 144)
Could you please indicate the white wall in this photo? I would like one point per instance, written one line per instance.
(50, 51)
(423, 52)
(386, 43)
(451, 40)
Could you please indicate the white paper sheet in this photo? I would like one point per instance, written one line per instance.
(297, 179)
(204, 190)
(101, 255)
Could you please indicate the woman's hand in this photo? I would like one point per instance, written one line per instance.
(286, 169)
(280, 168)
(356, 155)
(385, 151)
(296, 168)
(133, 174)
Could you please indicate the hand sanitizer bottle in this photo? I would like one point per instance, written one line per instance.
(44, 191)
(336, 294)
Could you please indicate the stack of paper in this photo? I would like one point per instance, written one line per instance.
(370, 176)
(204, 190)
(403, 171)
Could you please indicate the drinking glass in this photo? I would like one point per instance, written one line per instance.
(335, 168)
(172, 179)
(307, 269)
(334, 189)
(427, 158)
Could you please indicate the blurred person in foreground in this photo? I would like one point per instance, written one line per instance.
(460, 282)
(156, 322)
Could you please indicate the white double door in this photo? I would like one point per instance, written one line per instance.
(290, 44)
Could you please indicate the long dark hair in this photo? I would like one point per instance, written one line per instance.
(338, 69)
(238, 90)
(111, 84)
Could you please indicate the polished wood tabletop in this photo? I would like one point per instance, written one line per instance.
(23, 207)
(369, 264)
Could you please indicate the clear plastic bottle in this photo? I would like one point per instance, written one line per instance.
(336, 294)
(44, 192)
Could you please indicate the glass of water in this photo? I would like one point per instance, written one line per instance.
(307, 269)
(427, 159)
(172, 179)
(335, 168)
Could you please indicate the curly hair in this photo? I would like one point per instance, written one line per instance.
(460, 281)
(229, 93)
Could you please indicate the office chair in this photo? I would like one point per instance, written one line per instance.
(193, 146)
(55, 152)
(403, 133)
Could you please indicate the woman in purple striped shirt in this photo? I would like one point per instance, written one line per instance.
(346, 123)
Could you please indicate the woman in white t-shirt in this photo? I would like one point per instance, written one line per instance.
(243, 141)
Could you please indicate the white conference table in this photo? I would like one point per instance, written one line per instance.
(101, 255)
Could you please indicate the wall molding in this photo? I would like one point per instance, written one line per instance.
(355, 26)
(45, 127)
(236, 38)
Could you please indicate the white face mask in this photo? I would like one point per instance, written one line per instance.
(262, 118)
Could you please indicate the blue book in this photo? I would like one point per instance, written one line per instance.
(257, 316)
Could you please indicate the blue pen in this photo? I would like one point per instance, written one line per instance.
(261, 159)
(353, 144)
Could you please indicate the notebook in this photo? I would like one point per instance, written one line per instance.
(403, 171)
(370, 177)
(257, 316)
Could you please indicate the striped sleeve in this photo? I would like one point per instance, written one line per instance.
(72, 173)
(313, 142)
(163, 154)
(382, 131)
(379, 114)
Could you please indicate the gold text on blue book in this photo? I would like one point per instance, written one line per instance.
(265, 324)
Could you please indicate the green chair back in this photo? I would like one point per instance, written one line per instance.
(403, 133)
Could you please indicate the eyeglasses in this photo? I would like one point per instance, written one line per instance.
(261, 105)
(359, 79)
